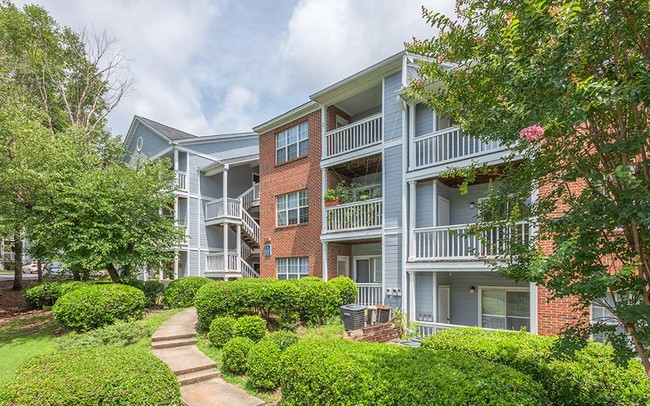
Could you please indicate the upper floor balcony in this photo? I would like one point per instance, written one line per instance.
(181, 181)
(354, 216)
(353, 137)
(445, 146)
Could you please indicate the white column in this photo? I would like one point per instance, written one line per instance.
(411, 134)
(411, 298)
(225, 212)
(435, 203)
(412, 196)
(239, 259)
(323, 128)
(176, 264)
(322, 200)
(533, 308)
(435, 297)
(324, 261)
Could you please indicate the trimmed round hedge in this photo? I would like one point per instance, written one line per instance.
(221, 331)
(588, 378)
(253, 327)
(46, 294)
(348, 291)
(180, 292)
(264, 365)
(152, 289)
(235, 354)
(94, 376)
(284, 339)
(336, 372)
(94, 306)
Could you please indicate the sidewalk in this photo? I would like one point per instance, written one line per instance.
(201, 384)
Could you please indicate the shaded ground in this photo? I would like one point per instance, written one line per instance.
(12, 303)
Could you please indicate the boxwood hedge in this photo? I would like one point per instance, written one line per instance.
(180, 292)
(348, 291)
(46, 294)
(221, 331)
(337, 372)
(253, 327)
(264, 365)
(235, 354)
(587, 378)
(285, 302)
(94, 306)
(94, 376)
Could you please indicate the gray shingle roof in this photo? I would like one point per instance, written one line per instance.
(166, 131)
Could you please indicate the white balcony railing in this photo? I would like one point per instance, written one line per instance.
(247, 270)
(181, 180)
(447, 145)
(215, 209)
(250, 226)
(354, 216)
(216, 262)
(455, 243)
(354, 136)
(369, 294)
(251, 196)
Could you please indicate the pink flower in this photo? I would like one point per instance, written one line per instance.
(532, 133)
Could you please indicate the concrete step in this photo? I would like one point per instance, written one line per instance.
(173, 343)
(172, 337)
(198, 376)
(197, 368)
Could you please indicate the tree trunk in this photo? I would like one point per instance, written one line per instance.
(18, 263)
(115, 277)
(39, 265)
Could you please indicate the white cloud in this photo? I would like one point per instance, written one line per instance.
(236, 110)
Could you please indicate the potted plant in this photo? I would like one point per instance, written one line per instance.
(332, 197)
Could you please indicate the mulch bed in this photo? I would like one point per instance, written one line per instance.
(13, 303)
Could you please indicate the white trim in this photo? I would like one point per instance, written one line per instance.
(324, 247)
(347, 265)
(533, 308)
(405, 202)
(370, 271)
(289, 116)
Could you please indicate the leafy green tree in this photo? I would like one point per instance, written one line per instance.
(566, 84)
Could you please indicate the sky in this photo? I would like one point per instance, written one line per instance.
(221, 66)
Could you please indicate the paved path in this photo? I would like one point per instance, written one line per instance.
(201, 384)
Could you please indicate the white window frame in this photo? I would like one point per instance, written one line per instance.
(507, 289)
(375, 259)
(341, 258)
(287, 263)
(282, 142)
(286, 209)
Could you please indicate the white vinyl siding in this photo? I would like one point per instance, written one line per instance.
(292, 208)
(504, 309)
(291, 143)
(292, 268)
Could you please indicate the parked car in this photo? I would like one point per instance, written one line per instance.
(55, 268)
(31, 268)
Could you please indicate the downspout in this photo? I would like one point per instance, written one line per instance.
(405, 243)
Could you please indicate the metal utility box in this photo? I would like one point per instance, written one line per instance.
(383, 313)
(353, 316)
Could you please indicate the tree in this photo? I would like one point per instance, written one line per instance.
(567, 86)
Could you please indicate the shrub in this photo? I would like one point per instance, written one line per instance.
(119, 334)
(46, 294)
(94, 306)
(235, 354)
(587, 378)
(319, 300)
(264, 365)
(221, 331)
(152, 289)
(347, 289)
(181, 292)
(253, 327)
(95, 376)
(284, 339)
(338, 372)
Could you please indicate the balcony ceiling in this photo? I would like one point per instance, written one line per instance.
(367, 101)
(359, 167)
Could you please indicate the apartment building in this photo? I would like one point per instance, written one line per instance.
(216, 201)
(398, 229)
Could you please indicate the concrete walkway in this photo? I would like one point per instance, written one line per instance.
(201, 384)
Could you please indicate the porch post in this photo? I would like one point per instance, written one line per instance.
(435, 297)
(435, 203)
(239, 258)
(324, 266)
(322, 200)
(533, 307)
(177, 254)
(412, 207)
(224, 199)
(411, 295)
(411, 134)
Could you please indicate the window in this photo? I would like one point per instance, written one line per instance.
(368, 269)
(291, 144)
(292, 268)
(600, 314)
(292, 208)
(505, 309)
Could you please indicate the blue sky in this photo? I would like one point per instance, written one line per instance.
(217, 66)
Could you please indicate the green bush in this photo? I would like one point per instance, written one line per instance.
(253, 327)
(319, 300)
(336, 372)
(46, 294)
(152, 289)
(94, 376)
(221, 331)
(347, 289)
(588, 378)
(94, 306)
(235, 354)
(284, 339)
(180, 292)
(264, 365)
(119, 334)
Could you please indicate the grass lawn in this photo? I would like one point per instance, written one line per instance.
(23, 337)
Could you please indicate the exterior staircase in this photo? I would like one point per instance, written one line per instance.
(378, 333)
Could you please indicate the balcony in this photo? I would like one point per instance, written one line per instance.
(214, 210)
(216, 263)
(181, 181)
(369, 294)
(450, 243)
(447, 145)
(354, 216)
(353, 137)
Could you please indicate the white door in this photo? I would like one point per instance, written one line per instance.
(443, 211)
(443, 304)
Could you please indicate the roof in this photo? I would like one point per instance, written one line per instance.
(168, 132)
(289, 116)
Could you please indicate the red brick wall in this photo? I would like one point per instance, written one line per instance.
(302, 173)
(332, 112)
(333, 251)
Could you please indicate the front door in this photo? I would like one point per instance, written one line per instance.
(443, 304)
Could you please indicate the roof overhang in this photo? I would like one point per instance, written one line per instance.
(218, 166)
(287, 117)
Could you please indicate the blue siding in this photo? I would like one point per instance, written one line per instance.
(392, 110)
(393, 187)
(228, 149)
(366, 249)
(424, 293)
(152, 143)
(424, 204)
(423, 120)
(393, 267)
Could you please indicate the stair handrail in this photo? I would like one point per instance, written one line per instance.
(251, 226)
(246, 250)
(247, 271)
(250, 195)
